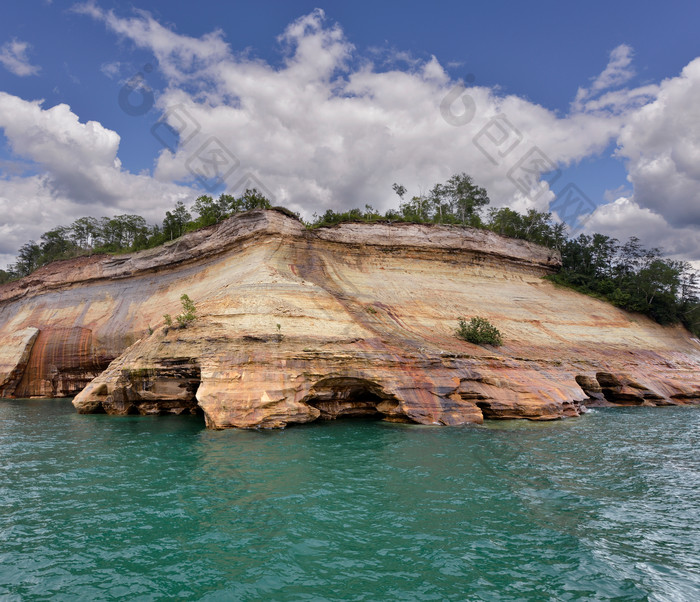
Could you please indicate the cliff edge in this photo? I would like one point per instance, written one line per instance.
(357, 319)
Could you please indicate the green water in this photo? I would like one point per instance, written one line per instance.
(606, 507)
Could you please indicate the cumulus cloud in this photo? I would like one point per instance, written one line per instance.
(80, 159)
(80, 173)
(332, 128)
(601, 93)
(619, 70)
(624, 218)
(660, 143)
(13, 56)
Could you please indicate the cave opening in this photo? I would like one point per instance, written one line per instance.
(486, 410)
(169, 389)
(352, 398)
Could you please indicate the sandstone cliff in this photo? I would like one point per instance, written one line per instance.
(357, 319)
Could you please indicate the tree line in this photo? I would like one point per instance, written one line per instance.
(126, 233)
(458, 201)
(625, 274)
(632, 277)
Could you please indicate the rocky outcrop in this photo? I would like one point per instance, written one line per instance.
(354, 320)
(14, 357)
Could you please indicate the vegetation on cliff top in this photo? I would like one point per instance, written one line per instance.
(625, 274)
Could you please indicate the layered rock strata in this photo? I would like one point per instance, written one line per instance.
(355, 320)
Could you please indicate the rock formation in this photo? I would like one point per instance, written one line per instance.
(355, 320)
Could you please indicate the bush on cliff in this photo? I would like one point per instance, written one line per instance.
(479, 331)
(189, 312)
(188, 315)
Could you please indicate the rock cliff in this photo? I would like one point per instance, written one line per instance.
(358, 319)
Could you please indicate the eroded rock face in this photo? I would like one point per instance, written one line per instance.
(61, 363)
(355, 320)
(14, 355)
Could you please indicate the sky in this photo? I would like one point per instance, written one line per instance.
(589, 110)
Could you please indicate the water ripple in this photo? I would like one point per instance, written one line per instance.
(601, 508)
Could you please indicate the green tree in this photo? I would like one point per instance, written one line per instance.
(209, 211)
(28, 259)
(229, 204)
(84, 232)
(189, 312)
(399, 190)
(253, 199)
(56, 244)
(466, 198)
(175, 221)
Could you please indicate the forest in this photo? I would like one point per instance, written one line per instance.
(626, 274)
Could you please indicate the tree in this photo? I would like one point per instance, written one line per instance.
(466, 198)
(415, 210)
(175, 221)
(209, 211)
(189, 312)
(122, 232)
(399, 190)
(440, 204)
(630, 258)
(84, 232)
(505, 221)
(56, 244)
(5, 276)
(254, 199)
(28, 259)
(229, 204)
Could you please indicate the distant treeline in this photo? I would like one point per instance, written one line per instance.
(627, 275)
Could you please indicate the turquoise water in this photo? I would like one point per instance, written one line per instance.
(606, 507)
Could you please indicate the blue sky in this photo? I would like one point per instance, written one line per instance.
(326, 108)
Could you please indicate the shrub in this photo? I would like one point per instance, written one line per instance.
(189, 312)
(168, 320)
(479, 331)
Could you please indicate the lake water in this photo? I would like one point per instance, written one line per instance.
(604, 507)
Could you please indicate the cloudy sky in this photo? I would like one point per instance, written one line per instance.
(588, 109)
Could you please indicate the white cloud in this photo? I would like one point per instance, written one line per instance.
(79, 158)
(624, 218)
(618, 71)
(330, 129)
(80, 173)
(177, 54)
(13, 56)
(112, 69)
(660, 143)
